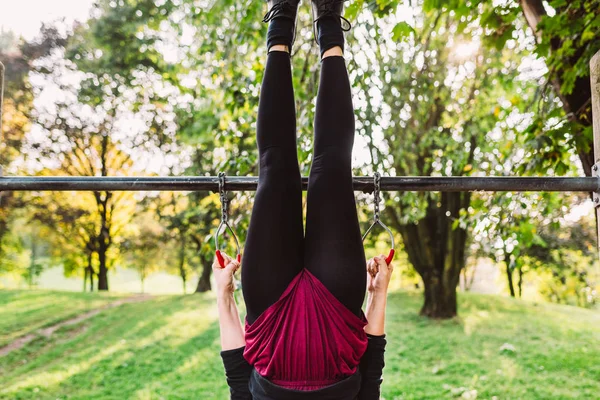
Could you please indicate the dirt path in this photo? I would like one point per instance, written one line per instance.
(48, 331)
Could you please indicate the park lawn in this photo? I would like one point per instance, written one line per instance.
(168, 348)
(24, 311)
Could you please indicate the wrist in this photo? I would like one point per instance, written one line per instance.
(224, 296)
(375, 330)
(378, 293)
(376, 301)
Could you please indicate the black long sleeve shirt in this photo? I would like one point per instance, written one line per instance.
(246, 384)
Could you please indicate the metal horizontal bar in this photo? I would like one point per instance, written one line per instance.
(249, 183)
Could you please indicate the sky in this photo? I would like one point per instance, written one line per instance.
(25, 17)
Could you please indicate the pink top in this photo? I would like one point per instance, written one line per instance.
(308, 339)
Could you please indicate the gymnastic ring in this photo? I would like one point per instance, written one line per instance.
(390, 256)
(224, 222)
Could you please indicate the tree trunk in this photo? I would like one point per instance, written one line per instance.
(91, 280)
(32, 262)
(472, 277)
(102, 268)
(468, 277)
(437, 251)
(440, 297)
(511, 286)
(85, 278)
(104, 242)
(182, 271)
(520, 283)
(204, 281)
(89, 272)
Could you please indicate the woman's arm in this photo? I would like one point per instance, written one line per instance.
(378, 280)
(237, 368)
(372, 362)
(375, 313)
(231, 328)
(371, 368)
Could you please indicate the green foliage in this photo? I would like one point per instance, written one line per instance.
(569, 40)
(434, 104)
(19, 59)
(571, 278)
(401, 31)
(24, 252)
(145, 249)
(168, 347)
(568, 263)
(12, 257)
(441, 88)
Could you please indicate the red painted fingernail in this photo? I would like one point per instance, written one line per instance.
(390, 257)
(220, 258)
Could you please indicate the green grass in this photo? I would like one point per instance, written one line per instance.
(168, 348)
(22, 312)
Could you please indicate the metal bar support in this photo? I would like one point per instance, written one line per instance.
(1, 107)
(249, 183)
(595, 86)
(1, 117)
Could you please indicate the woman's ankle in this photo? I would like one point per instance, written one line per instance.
(279, 47)
(332, 52)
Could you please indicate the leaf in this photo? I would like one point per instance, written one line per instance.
(401, 31)
(455, 224)
(431, 5)
(587, 36)
(353, 9)
(561, 168)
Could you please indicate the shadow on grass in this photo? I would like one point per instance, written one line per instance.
(495, 347)
(154, 371)
(168, 348)
(134, 351)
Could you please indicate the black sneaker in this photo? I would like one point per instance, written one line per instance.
(329, 8)
(283, 9)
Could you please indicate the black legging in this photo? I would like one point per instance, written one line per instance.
(276, 249)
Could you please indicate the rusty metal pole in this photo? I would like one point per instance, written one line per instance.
(1, 108)
(361, 183)
(1, 96)
(595, 83)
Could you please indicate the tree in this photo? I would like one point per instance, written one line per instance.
(212, 86)
(507, 228)
(565, 40)
(18, 58)
(80, 139)
(144, 249)
(88, 149)
(124, 43)
(569, 260)
(430, 103)
(26, 252)
(69, 225)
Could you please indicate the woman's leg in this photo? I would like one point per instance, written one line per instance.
(274, 246)
(333, 245)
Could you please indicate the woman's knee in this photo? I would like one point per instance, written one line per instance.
(331, 159)
(278, 157)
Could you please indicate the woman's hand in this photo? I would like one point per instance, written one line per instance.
(378, 274)
(224, 282)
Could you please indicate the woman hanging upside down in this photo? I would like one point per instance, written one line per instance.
(305, 336)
